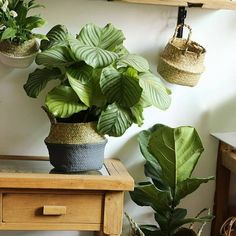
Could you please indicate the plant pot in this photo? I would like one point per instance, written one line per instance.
(185, 232)
(75, 147)
(18, 56)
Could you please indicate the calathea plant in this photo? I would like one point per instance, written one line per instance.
(171, 155)
(98, 79)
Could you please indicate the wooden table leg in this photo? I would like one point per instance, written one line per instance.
(221, 193)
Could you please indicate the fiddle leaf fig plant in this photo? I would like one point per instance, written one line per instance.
(171, 155)
(97, 79)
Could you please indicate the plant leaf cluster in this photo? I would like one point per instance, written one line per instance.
(171, 155)
(15, 24)
(97, 78)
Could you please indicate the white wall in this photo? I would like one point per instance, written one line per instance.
(209, 107)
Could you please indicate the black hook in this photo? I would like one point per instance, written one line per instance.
(182, 13)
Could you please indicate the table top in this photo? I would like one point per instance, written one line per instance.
(36, 172)
(226, 137)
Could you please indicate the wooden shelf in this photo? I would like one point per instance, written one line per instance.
(209, 4)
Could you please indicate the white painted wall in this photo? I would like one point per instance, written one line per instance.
(209, 107)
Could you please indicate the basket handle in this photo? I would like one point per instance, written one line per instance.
(227, 226)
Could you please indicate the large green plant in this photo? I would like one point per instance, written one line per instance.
(171, 155)
(15, 24)
(98, 79)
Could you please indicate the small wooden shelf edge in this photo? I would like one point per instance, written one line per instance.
(208, 4)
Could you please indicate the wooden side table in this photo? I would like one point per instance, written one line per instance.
(226, 163)
(44, 201)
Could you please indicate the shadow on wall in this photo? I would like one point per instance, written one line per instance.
(222, 118)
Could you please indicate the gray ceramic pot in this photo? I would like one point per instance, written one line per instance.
(75, 147)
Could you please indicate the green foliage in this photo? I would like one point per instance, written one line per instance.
(99, 73)
(171, 155)
(15, 24)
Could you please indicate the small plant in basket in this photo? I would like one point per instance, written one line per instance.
(171, 155)
(18, 46)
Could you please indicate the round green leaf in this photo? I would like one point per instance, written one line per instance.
(114, 121)
(122, 88)
(63, 102)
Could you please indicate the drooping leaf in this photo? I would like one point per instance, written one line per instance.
(122, 88)
(80, 79)
(8, 33)
(114, 121)
(155, 91)
(56, 36)
(63, 102)
(54, 57)
(137, 62)
(177, 151)
(33, 22)
(188, 186)
(151, 230)
(162, 219)
(147, 194)
(38, 80)
(137, 112)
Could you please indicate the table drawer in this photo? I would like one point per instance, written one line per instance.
(52, 208)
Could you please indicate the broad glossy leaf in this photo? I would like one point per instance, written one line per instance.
(147, 194)
(122, 88)
(162, 219)
(38, 80)
(137, 62)
(107, 38)
(93, 56)
(63, 102)
(188, 186)
(9, 33)
(33, 22)
(177, 151)
(114, 121)
(56, 36)
(80, 79)
(155, 91)
(151, 230)
(54, 57)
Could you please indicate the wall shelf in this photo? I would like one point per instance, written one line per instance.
(209, 4)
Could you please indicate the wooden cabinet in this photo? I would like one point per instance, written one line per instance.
(210, 4)
(43, 201)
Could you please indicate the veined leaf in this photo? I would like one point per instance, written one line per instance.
(107, 38)
(63, 102)
(93, 56)
(146, 194)
(114, 121)
(54, 56)
(38, 80)
(8, 33)
(80, 79)
(57, 36)
(177, 151)
(137, 112)
(137, 62)
(155, 91)
(33, 22)
(188, 186)
(122, 88)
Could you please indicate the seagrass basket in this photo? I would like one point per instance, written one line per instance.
(182, 61)
(229, 227)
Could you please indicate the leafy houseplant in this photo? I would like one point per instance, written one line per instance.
(18, 46)
(171, 155)
(99, 82)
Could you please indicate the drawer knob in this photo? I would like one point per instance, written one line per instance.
(54, 210)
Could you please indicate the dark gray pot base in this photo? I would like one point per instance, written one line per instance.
(72, 158)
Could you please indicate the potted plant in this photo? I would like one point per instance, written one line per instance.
(18, 46)
(102, 90)
(171, 155)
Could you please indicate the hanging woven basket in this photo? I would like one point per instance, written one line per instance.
(182, 61)
(229, 227)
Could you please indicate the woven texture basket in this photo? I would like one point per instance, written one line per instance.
(182, 61)
(229, 227)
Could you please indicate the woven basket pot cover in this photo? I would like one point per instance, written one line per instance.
(182, 61)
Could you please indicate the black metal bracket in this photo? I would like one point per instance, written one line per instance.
(182, 14)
